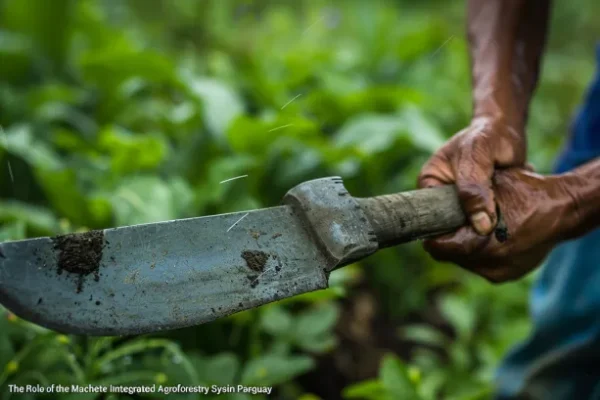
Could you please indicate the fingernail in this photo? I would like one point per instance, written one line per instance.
(481, 223)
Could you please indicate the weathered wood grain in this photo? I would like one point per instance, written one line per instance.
(402, 217)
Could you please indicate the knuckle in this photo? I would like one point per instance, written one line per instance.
(476, 141)
(480, 142)
(435, 170)
(423, 177)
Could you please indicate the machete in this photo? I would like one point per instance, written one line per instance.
(167, 275)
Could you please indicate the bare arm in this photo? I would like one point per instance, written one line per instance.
(506, 39)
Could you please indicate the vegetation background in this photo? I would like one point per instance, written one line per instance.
(118, 112)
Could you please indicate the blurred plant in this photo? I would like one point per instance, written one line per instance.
(125, 112)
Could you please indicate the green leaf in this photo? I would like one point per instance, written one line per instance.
(424, 334)
(424, 134)
(460, 314)
(37, 19)
(422, 36)
(216, 188)
(222, 104)
(132, 152)
(276, 321)
(145, 199)
(380, 99)
(369, 389)
(113, 65)
(13, 231)
(256, 136)
(19, 140)
(370, 133)
(132, 347)
(395, 378)
(16, 54)
(6, 348)
(222, 369)
(315, 321)
(40, 219)
(270, 370)
(375, 133)
(309, 396)
(60, 113)
(55, 93)
(64, 193)
(318, 344)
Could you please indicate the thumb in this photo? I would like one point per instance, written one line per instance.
(474, 172)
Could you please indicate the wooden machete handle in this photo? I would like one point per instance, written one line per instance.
(402, 217)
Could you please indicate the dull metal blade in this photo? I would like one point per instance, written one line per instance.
(167, 275)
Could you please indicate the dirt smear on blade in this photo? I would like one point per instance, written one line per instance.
(80, 254)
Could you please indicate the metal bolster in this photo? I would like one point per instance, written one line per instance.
(335, 218)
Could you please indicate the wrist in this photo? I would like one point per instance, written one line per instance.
(582, 186)
(500, 125)
(492, 111)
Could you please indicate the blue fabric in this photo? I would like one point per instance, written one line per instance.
(560, 359)
(584, 143)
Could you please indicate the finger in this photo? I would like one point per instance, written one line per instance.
(436, 172)
(428, 181)
(460, 247)
(474, 169)
(472, 255)
(492, 270)
(502, 271)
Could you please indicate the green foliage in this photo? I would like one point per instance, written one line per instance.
(395, 381)
(125, 112)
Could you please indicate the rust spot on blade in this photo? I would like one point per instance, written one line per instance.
(255, 259)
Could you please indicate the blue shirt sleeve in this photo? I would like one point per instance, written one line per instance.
(584, 143)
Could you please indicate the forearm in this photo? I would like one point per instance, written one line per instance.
(583, 186)
(507, 39)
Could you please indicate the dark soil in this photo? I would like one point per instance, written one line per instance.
(79, 253)
(501, 233)
(365, 333)
(255, 259)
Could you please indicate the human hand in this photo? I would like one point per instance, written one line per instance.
(539, 211)
(469, 159)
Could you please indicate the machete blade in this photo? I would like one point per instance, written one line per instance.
(159, 276)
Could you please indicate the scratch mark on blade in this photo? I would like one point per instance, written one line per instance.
(234, 178)
(255, 280)
(291, 101)
(277, 267)
(236, 222)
